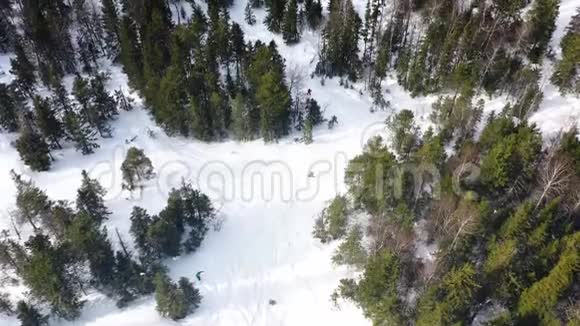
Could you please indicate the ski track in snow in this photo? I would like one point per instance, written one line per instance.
(264, 249)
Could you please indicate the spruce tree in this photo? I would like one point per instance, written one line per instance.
(566, 70)
(90, 199)
(543, 23)
(112, 28)
(404, 132)
(33, 149)
(175, 301)
(131, 55)
(340, 46)
(9, 112)
(156, 44)
(290, 31)
(23, 69)
(275, 14)
(249, 14)
(46, 273)
(140, 223)
(50, 127)
(103, 107)
(90, 241)
(29, 315)
(80, 132)
(274, 101)
(136, 168)
(313, 10)
(32, 204)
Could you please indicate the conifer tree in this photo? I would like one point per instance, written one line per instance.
(112, 28)
(60, 100)
(405, 133)
(131, 279)
(131, 55)
(136, 168)
(80, 132)
(175, 301)
(91, 243)
(543, 23)
(275, 14)
(339, 55)
(566, 70)
(29, 315)
(239, 51)
(23, 69)
(46, 274)
(290, 31)
(274, 101)
(9, 112)
(50, 127)
(33, 149)
(140, 223)
(313, 11)
(32, 204)
(103, 107)
(90, 199)
(156, 44)
(249, 14)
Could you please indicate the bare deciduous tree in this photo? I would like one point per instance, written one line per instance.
(554, 178)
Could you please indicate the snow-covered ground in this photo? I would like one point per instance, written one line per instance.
(264, 249)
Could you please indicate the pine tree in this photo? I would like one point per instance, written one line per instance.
(275, 14)
(23, 69)
(9, 112)
(131, 55)
(156, 44)
(249, 14)
(50, 127)
(290, 31)
(566, 70)
(405, 133)
(80, 133)
(131, 279)
(136, 168)
(91, 243)
(339, 55)
(175, 301)
(191, 294)
(313, 13)
(45, 273)
(32, 204)
(29, 315)
(60, 100)
(90, 199)
(111, 26)
(103, 107)
(274, 101)
(33, 150)
(140, 223)
(543, 23)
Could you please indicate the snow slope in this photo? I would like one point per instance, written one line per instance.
(264, 249)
